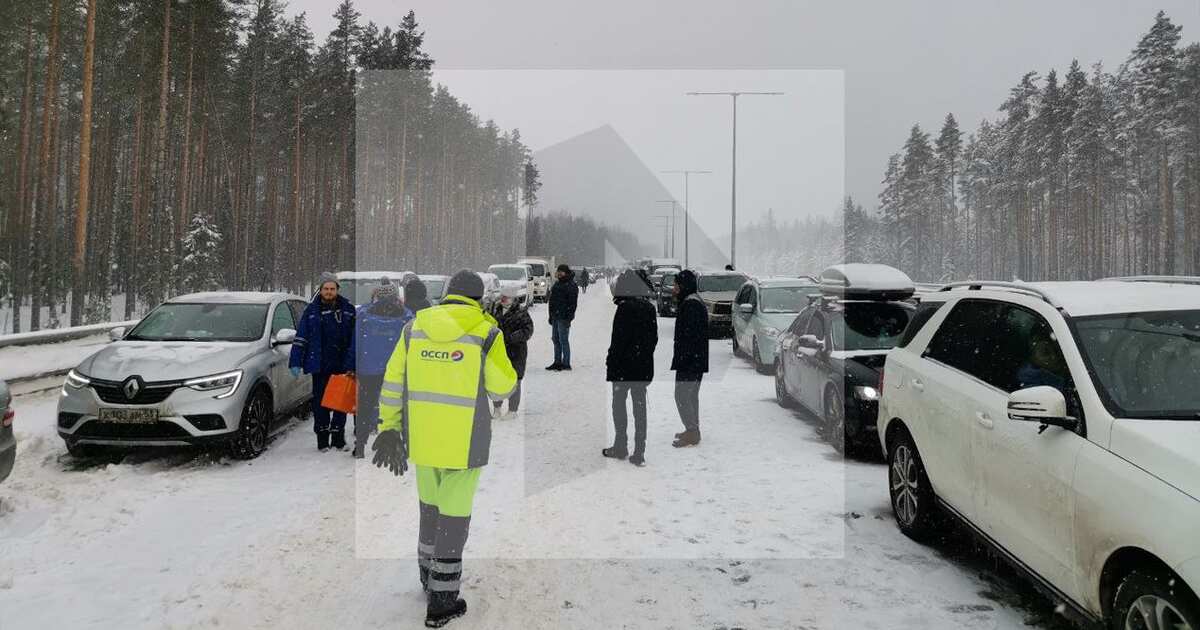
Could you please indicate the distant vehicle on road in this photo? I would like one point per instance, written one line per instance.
(1060, 422)
(491, 289)
(763, 309)
(8, 442)
(435, 287)
(830, 359)
(206, 368)
(717, 289)
(657, 264)
(516, 281)
(359, 286)
(543, 275)
(668, 306)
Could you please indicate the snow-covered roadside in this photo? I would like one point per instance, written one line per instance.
(762, 526)
(23, 361)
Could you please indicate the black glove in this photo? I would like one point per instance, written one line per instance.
(391, 452)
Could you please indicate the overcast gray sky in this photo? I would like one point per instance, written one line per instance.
(905, 61)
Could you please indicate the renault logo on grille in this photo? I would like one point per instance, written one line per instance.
(132, 386)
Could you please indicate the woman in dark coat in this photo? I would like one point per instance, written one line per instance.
(517, 327)
(631, 363)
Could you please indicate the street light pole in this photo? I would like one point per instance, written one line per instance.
(686, 210)
(733, 188)
(674, 222)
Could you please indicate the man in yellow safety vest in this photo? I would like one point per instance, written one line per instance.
(435, 409)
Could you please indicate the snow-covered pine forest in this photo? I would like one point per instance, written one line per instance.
(1087, 173)
(218, 146)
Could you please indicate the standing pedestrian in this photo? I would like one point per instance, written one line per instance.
(416, 295)
(435, 405)
(516, 324)
(631, 363)
(323, 348)
(691, 356)
(378, 325)
(585, 279)
(564, 296)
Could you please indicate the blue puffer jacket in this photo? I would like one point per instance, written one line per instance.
(325, 339)
(378, 329)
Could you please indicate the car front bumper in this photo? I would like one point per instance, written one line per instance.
(186, 416)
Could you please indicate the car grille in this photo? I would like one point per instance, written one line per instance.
(119, 430)
(723, 308)
(150, 394)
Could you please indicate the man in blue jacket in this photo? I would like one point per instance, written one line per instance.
(323, 347)
(379, 325)
(564, 296)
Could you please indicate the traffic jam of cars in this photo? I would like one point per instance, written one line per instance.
(1058, 423)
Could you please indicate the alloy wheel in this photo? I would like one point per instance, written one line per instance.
(1151, 612)
(904, 485)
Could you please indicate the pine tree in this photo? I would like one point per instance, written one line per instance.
(200, 266)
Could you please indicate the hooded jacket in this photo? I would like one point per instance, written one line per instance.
(450, 361)
(691, 328)
(634, 332)
(517, 326)
(378, 327)
(324, 338)
(564, 297)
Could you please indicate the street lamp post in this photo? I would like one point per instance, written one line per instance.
(733, 188)
(673, 222)
(686, 210)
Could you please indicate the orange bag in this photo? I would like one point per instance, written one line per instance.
(341, 394)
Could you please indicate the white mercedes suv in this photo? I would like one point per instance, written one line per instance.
(1061, 422)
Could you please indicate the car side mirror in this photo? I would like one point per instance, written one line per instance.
(748, 309)
(284, 337)
(1042, 404)
(116, 334)
(811, 342)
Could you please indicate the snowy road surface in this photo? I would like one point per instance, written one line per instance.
(762, 526)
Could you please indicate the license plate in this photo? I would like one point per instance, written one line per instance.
(129, 416)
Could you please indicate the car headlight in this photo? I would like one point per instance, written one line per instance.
(229, 380)
(77, 380)
(866, 392)
(771, 332)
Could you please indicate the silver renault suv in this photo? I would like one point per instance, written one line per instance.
(198, 369)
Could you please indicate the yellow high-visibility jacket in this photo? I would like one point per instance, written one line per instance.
(449, 365)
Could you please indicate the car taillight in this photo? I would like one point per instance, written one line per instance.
(9, 414)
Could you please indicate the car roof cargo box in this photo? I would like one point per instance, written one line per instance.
(861, 281)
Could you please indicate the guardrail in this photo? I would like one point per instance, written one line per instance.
(57, 335)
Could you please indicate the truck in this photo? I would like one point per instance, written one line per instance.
(543, 275)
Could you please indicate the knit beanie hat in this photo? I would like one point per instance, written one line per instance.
(387, 292)
(466, 283)
(327, 276)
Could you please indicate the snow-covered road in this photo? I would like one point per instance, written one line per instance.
(762, 526)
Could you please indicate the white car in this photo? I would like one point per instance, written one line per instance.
(491, 289)
(1061, 422)
(516, 281)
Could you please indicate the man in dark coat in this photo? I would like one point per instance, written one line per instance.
(584, 279)
(691, 356)
(631, 363)
(517, 327)
(323, 347)
(564, 296)
(416, 295)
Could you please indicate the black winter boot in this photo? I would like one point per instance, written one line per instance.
(444, 607)
(322, 441)
(687, 438)
(615, 452)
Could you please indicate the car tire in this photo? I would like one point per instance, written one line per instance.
(759, 366)
(250, 440)
(834, 417)
(1161, 594)
(782, 396)
(913, 503)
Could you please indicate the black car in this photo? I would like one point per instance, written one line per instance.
(664, 293)
(830, 359)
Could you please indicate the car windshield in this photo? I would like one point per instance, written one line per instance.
(1146, 365)
(202, 322)
(433, 288)
(786, 299)
(538, 269)
(360, 290)
(870, 325)
(668, 280)
(509, 273)
(720, 284)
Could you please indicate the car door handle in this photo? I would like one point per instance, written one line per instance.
(984, 420)
(918, 385)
